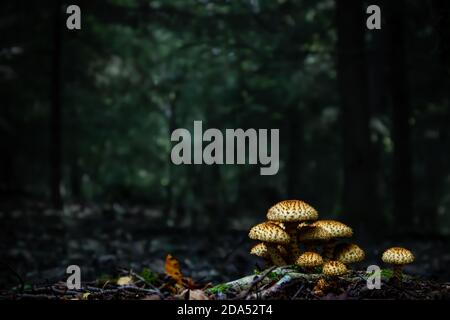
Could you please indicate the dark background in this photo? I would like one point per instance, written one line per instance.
(86, 118)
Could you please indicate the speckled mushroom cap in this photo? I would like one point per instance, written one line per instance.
(279, 223)
(349, 253)
(269, 232)
(292, 211)
(309, 260)
(325, 230)
(397, 255)
(334, 268)
(260, 250)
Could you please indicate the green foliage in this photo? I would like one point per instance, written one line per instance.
(220, 288)
(149, 276)
(132, 76)
(274, 276)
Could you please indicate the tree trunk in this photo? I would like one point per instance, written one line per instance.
(378, 101)
(401, 113)
(55, 112)
(352, 78)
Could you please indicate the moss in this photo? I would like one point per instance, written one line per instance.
(220, 288)
(148, 275)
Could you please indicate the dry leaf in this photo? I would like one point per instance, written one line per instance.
(190, 284)
(197, 295)
(172, 269)
(123, 281)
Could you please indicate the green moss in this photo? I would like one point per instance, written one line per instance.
(274, 276)
(148, 275)
(220, 288)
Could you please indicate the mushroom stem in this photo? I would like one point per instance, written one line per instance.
(274, 254)
(328, 250)
(398, 273)
(294, 249)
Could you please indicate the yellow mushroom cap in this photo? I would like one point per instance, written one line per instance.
(309, 260)
(334, 268)
(269, 232)
(397, 255)
(349, 253)
(279, 223)
(292, 211)
(325, 230)
(260, 250)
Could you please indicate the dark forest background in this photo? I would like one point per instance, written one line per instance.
(86, 117)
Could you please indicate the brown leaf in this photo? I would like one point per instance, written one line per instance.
(198, 295)
(173, 270)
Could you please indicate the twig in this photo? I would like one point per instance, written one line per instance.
(257, 280)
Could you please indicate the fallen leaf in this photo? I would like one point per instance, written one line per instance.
(198, 295)
(173, 270)
(123, 281)
(190, 284)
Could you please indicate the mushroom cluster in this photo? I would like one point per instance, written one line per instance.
(293, 234)
(293, 225)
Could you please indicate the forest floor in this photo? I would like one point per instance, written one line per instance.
(122, 253)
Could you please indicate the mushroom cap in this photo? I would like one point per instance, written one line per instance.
(334, 268)
(260, 250)
(309, 260)
(279, 223)
(349, 253)
(292, 211)
(269, 232)
(397, 255)
(325, 230)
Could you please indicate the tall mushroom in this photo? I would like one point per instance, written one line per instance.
(398, 257)
(309, 261)
(327, 231)
(349, 253)
(291, 213)
(271, 235)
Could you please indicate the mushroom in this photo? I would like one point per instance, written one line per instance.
(260, 250)
(291, 213)
(349, 253)
(327, 231)
(309, 261)
(398, 257)
(334, 269)
(271, 235)
(321, 286)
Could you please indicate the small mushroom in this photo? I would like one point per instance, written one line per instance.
(349, 253)
(327, 231)
(309, 261)
(260, 250)
(320, 287)
(398, 257)
(291, 213)
(334, 269)
(271, 235)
